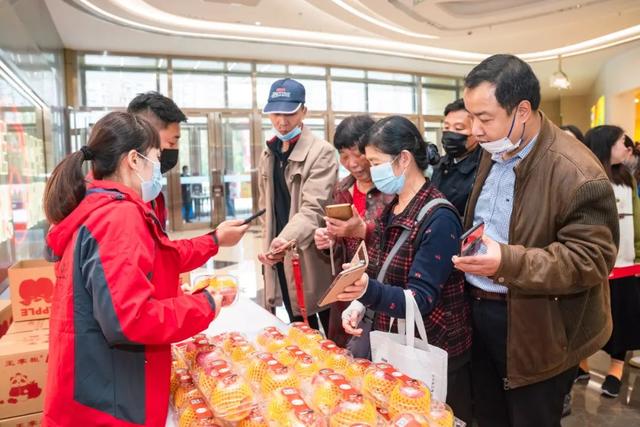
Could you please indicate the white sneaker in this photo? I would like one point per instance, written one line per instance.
(635, 362)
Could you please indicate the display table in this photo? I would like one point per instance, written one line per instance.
(244, 316)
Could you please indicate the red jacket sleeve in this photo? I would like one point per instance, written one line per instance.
(195, 252)
(116, 261)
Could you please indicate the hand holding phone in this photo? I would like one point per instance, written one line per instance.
(276, 252)
(471, 241)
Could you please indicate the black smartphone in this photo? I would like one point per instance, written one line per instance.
(254, 216)
(471, 241)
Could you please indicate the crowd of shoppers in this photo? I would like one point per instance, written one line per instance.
(548, 286)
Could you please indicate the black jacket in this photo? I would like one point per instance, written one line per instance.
(455, 180)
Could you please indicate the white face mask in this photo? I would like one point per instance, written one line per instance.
(503, 145)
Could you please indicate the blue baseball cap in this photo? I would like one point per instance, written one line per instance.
(285, 97)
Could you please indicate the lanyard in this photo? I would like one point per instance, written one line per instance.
(297, 276)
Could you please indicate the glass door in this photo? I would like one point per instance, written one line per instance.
(188, 185)
(238, 166)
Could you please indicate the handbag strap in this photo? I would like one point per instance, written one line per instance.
(412, 320)
(403, 238)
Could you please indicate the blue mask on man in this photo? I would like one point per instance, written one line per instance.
(290, 135)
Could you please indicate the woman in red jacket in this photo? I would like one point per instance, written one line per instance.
(117, 305)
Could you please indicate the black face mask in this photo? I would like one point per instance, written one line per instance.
(168, 159)
(454, 144)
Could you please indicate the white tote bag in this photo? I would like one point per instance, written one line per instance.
(414, 357)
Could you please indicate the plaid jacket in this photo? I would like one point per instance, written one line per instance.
(449, 324)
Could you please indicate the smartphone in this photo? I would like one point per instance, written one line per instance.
(283, 248)
(254, 216)
(471, 241)
(341, 211)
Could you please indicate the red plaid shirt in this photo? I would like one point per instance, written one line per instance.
(375, 203)
(347, 247)
(448, 325)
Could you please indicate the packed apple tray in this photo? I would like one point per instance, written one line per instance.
(298, 379)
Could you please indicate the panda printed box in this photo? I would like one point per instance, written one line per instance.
(31, 283)
(31, 420)
(23, 363)
(6, 316)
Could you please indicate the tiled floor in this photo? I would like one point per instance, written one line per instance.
(589, 408)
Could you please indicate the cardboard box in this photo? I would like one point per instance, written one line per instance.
(31, 420)
(28, 326)
(31, 283)
(23, 363)
(6, 316)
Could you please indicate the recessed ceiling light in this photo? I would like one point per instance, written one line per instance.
(636, 100)
(258, 23)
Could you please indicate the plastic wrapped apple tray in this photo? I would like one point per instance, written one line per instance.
(293, 380)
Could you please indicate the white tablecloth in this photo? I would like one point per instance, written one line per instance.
(245, 316)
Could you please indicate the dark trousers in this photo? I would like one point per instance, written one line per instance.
(495, 405)
(459, 388)
(323, 316)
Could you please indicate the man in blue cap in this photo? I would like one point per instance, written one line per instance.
(296, 174)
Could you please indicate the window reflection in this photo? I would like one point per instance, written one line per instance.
(22, 178)
(117, 88)
(391, 99)
(435, 100)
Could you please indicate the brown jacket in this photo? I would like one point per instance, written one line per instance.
(311, 173)
(563, 236)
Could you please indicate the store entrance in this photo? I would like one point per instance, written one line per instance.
(215, 178)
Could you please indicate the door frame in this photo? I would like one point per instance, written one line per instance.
(175, 190)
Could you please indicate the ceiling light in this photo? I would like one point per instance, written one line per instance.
(636, 100)
(148, 18)
(559, 79)
(258, 23)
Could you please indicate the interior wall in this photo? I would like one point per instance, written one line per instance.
(575, 110)
(551, 109)
(617, 78)
(623, 111)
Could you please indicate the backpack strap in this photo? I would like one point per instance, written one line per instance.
(430, 208)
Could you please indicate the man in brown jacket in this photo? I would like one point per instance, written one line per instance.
(296, 176)
(538, 284)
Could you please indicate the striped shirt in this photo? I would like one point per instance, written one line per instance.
(494, 208)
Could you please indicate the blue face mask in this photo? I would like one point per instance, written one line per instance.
(385, 180)
(151, 189)
(289, 136)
